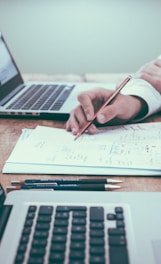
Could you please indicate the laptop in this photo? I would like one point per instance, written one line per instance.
(39, 100)
(92, 227)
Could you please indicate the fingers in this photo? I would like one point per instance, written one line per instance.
(158, 62)
(147, 69)
(151, 73)
(77, 120)
(85, 100)
(119, 111)
(91, 101)
(107, 114)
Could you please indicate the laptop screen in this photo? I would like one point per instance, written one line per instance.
(9, 73)
(7, 68)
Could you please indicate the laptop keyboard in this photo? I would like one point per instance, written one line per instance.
(73, 235)
(42, 97)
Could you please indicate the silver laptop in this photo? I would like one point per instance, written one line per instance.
(85, 227)
(43, 100)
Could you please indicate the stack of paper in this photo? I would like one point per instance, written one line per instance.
(133, 149)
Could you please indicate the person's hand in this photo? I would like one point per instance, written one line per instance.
(151, 72)
(121, 110)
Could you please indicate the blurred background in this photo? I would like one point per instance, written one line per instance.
(81, 36)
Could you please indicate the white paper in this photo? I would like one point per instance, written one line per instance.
(129, 149)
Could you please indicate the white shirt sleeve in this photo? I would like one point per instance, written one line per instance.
(144, 90)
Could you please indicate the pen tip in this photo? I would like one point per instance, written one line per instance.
(111, 187)
(16, 182)
(11, 188)
(114, 181)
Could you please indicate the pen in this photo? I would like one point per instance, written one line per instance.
(109, 100)
(65, 181)
(64, 187)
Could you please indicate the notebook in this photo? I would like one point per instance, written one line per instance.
(43, 100)
(132, 149)
(92, 227)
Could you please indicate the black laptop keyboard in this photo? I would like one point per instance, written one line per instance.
(42, 97)
(73, 235)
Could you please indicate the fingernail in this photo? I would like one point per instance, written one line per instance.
(101, 118)
(74, 130)
(88, 117)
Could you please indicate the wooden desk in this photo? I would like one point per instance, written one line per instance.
(10, 130)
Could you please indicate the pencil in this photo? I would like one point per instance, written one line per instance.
(109, 100)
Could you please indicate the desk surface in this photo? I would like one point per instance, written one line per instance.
(10, 130)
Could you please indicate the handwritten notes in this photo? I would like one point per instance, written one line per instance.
(129, 149)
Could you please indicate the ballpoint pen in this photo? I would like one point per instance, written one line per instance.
(109, 100)
(64, 187)
(65, 181)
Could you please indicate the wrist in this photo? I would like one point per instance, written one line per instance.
(141, 106)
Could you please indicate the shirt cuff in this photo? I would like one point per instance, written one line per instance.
(144, 90)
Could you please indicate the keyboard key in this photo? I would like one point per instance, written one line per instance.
(120, 223)
(36, 260)
(116, 231)
(60, 230)
(117, 240)
(77, 255)
(42, 226)
(59, 239)
(97, 225)
(78, 237)
(32, 208)
(79, 214)
(96, 214)
(45, 210)
(62, 209)
(79, 221)
(57, 247)
(118, 210)
(118, 255)
(39, 242)
(59, 222)
(95, 250)
(44, 218)
(56, 257)
(111, 216)
(41, 234)
(96, 233)
(62, 215)
(19, 258)
(37, 252)
(97, 259)
(97, 241)
(78, 229)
